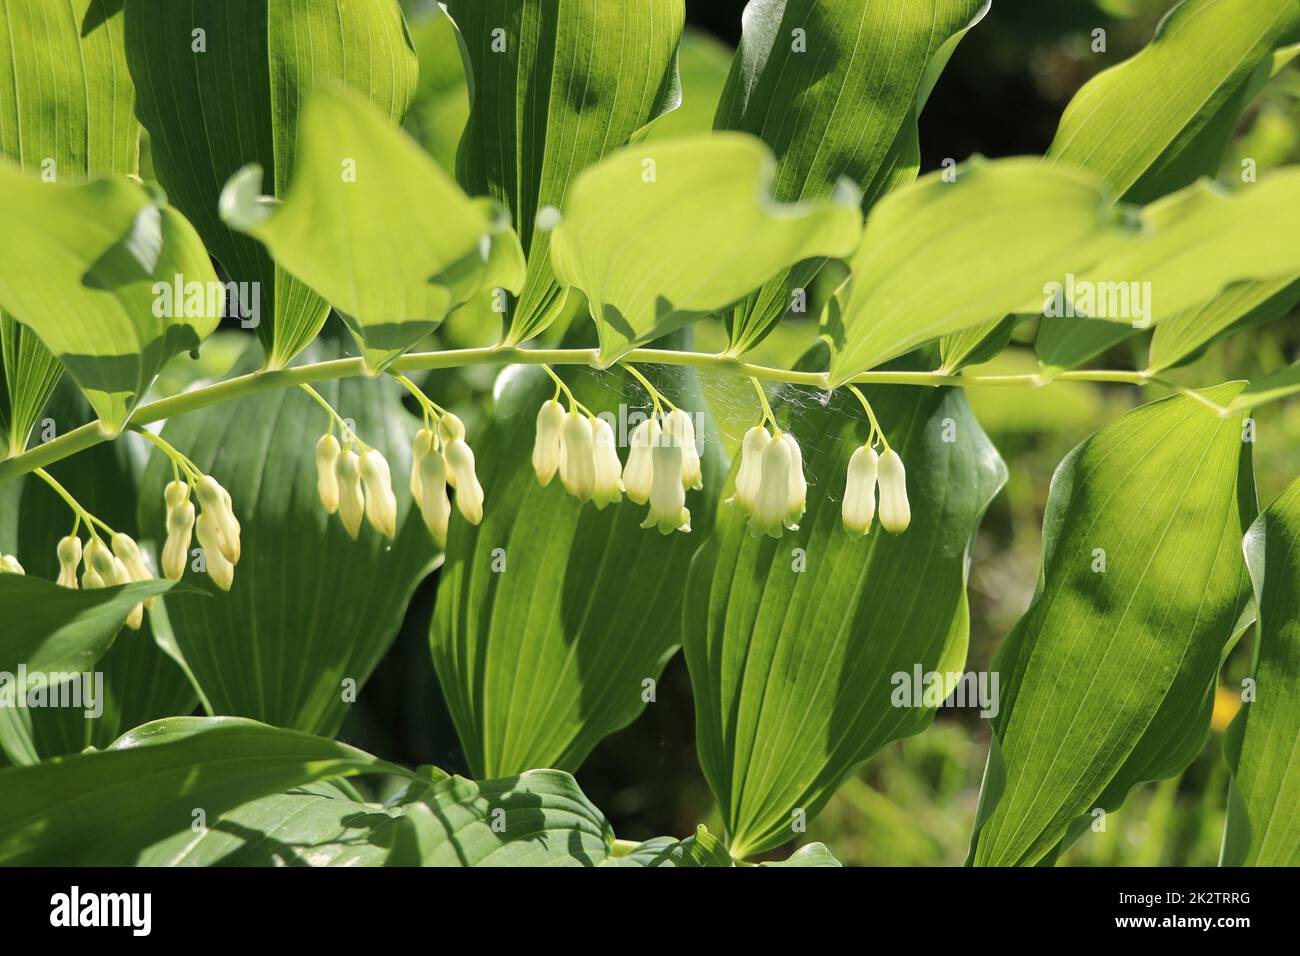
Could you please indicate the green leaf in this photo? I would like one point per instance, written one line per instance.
(70, 121)
(1182, 336)
(661, 234)
(703, 63)
(813, 854)
(702, 849)
(106, 807)
(942, 255)
(310, 608)
(1272, 388)
(375, 227)
(1108, 679)
(538, 818)
(1064, 343)
(313, 825)
(831, 88)
(1162, 119)
(553, 88)
(212, 110)
(539, 663)
(50, 629)
(113, 284)
(976, 344)
(1263, 828)
(792, 667)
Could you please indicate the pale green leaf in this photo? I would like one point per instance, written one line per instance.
(1182, 336)
(106, 807)
(813, 854)
(553, 88)
(831, 88)
(1263, 745)
(1108, 679)
(375, 227)
(660, 234)
(1271, 388)
(113, 284)
(217, 102)
(792, 669)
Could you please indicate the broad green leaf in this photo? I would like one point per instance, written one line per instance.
(49, 629)
(1272, 388)
(70, 121)
(539, 663)
(660, 234)
(702, 849)
(310, 608)
(375, 227)
(940, 256)
(793, 664)
(313, 825)
(703, 63)
(221, 84)
(112, 283)
(106, 807)
(1064, 343)
(140, 682)
(1263, 744)
(538, 818)
(1182, 336)
(976, 344)
(1163, 118)
(831, 88)
(553, 88)
(439, 108)
(813, 854)
(1108, 679)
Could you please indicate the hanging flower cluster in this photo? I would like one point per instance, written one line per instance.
(867, 470)
(662, 464)
(354, 480)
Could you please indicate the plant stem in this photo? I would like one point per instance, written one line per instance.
(87, 436)
(72, 502)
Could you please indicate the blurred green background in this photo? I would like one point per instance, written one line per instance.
(912, 804)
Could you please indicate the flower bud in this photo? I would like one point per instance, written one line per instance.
(681, 431)
(352, 500)
(460, 466)
(215, 499)
(860, 491)
(895, 512)
(109, 569)
(136, 618)
(578, 456)
(180, 524)
(546, 446)
(327, 482)
(798, 484)
(69, 552)
(451, 428)
(667, 495)
(221, 570)
(638, 473)
(9, 565)
(421, 447)
(128, 553)
(434, 504)
(381, 503)
(608, 486)
(772, 503)
(751, 467)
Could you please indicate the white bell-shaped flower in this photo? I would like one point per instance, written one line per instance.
(180, 526)
(638, 473)
(895, 512)
(450, 428)
(772, 503)
(547, 444)
(215, 499)
(220, 568)
(608, 485)
(860, 491)
(421, 448)
(667, 494)
(578, 456)
(352, 500)
(681, 431)
(750, 473)
(69, 551)
(435, 506)
(459, 458)
(381, 503)
(798, 484)
(327, 482)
